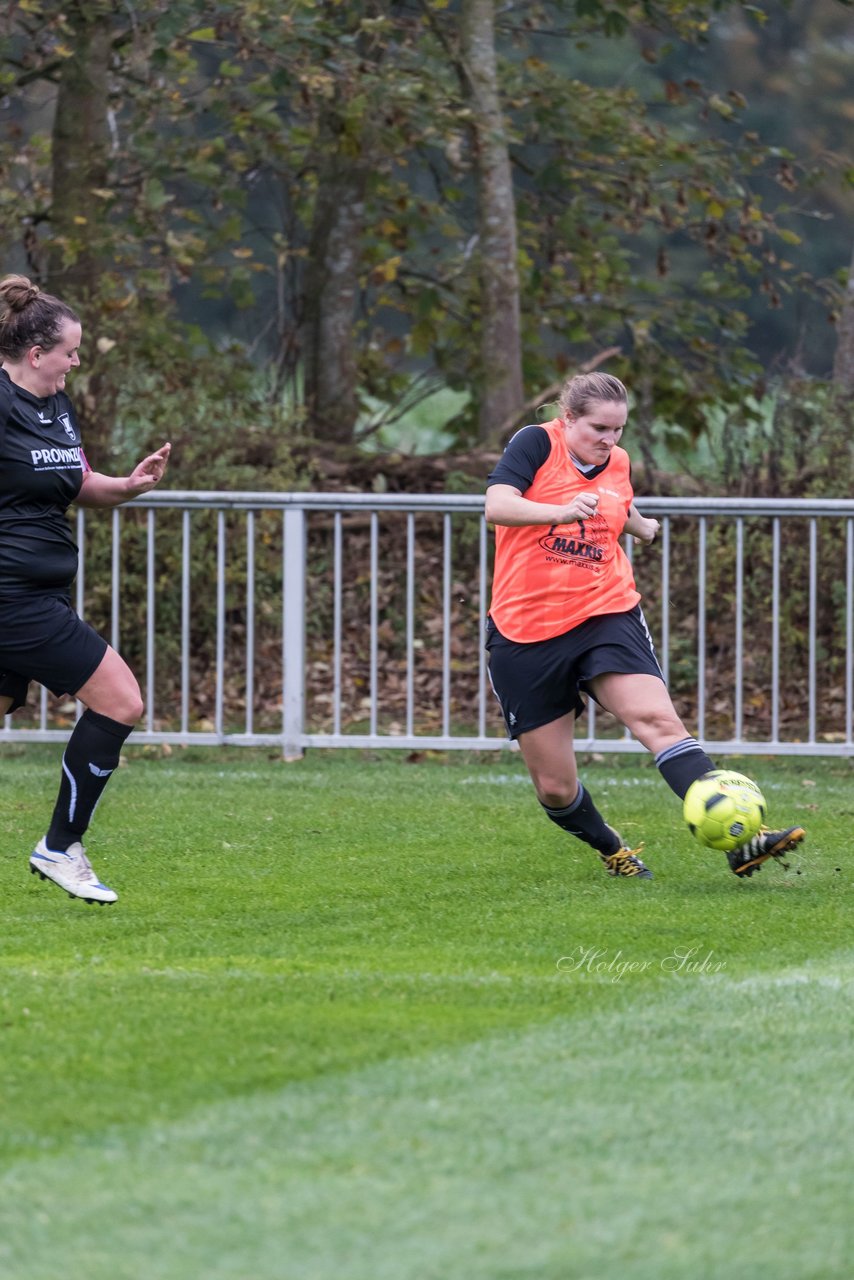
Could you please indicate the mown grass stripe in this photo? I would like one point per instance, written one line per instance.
(352, 1018)
(625, 1143)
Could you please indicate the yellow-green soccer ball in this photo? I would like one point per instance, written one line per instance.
(723, 809)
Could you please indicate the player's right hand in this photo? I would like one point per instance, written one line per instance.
(582, 507)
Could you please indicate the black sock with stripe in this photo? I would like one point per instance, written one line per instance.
(91, 755)
(584, 821)
(682, 764)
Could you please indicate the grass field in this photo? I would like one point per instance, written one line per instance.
(372, 1020)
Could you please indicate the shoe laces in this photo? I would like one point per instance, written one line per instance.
(623, 856)
(756, 842)
(83, 869)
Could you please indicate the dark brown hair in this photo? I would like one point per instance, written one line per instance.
(29, 318)
(586, 389)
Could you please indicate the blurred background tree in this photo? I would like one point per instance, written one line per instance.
(288, 224)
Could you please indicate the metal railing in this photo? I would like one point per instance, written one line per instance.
(356, 620)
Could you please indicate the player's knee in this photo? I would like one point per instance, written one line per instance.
(659, 729)
(134, 707)
(126, 705)
(555, 792)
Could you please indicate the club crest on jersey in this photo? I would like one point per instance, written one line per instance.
(66, 422)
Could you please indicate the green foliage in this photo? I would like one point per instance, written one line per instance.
(423, 428)
(658, 210)
(793, 439)
(228, 427)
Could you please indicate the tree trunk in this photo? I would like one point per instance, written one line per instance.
(843, 361)
(80, 153)
(330, 350)
(331, 291)
(501, 390)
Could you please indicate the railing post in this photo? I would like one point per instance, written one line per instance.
(293, 633)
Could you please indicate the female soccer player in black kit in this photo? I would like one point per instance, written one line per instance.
(42, 470)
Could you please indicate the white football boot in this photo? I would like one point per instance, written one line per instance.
(72, 871)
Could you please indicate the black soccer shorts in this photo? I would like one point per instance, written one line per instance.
(43, 639)
(15, 687)
(539, 682)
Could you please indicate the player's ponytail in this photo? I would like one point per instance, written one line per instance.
(28, 317)
(17, 291)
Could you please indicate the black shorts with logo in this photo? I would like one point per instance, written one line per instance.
(539, 682)
(43, 639)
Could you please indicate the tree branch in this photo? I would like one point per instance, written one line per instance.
(520, 416)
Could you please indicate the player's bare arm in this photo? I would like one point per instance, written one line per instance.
(506, 506)
(642, 528)
(99, 490)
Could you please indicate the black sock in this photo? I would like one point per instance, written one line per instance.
(584, 821)
(682, 764)
(91, 755)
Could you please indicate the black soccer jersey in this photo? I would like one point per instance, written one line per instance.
(41, 470)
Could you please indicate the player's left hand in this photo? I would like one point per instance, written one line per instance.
(647, 530)
(149, 472)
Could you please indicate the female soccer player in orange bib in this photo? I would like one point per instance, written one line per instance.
(565, 617)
